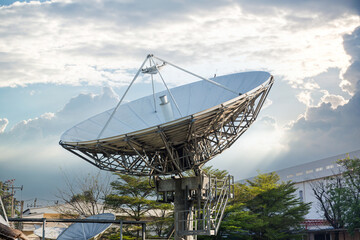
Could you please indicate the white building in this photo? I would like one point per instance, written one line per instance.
(306, 174)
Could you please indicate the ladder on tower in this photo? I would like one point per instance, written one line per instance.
(205, 218)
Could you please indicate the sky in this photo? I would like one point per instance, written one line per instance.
(63, 61)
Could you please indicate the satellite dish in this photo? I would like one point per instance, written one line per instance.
(3, 221)
(174, 130)
(50, 232)
(78, 231)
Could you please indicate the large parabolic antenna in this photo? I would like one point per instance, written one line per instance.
(174, 130)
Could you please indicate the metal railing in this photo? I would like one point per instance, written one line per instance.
(45, 220)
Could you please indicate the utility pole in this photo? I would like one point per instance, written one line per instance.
(13, 200)
(10, 184)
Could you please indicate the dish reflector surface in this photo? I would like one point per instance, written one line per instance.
(50, 232)
(2, 221)
(171, 131)
(78, 231)
(191, 98)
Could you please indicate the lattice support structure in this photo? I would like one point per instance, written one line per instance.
(180, 145)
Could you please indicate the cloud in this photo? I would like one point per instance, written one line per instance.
(30, 151)
(305, 98)
(3, 123)
(325, 130)
(262, 143)
(268, 103)
(49, 124)
(333, 99)
(331, 127)
(87, 42)
(102, 43)
(352, 74)
(325, 8)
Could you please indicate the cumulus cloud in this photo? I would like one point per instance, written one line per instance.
(329, 128)
(268, 103)
(333, 99)
(352, 74)
(325, 131)
(305, 98)
(76, 42)
(88, 42)
(50, 125)
(327, 9)
(30, 151)
(255, 150)
(3, 123)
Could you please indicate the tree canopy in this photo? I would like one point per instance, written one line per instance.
(264, 209)
(134, 196)
(339, 196)
(6, 196)
(131, 195)
(351, 177)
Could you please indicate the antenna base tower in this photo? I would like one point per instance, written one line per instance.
(199, 202)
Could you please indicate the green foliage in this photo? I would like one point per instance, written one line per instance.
(209, 170)
(339, 196)
(351, 193)
(134, 196)
(86, 196)
(264, 209)
(219, 174)
(6, 196)
(114, 234)
(131, 195)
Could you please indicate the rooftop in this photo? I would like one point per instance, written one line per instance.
(313, 170)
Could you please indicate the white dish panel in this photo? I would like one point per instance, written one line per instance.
(191, 99)
(78, 231)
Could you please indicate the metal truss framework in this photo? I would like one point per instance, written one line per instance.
(171, 148)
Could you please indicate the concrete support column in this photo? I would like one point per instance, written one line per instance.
(182, 216)
(183, 205)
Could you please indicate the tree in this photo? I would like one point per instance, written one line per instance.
(131, 195)
(351, 177)
(7, 195)
(330, 194)
(84, 195)
(134, 196)
(339, 196)
(265, 209)
(209, 170)
(163, 218)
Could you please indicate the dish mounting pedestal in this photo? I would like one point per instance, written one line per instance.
(199, 202)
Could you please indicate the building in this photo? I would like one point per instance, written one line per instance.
(305, 176)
